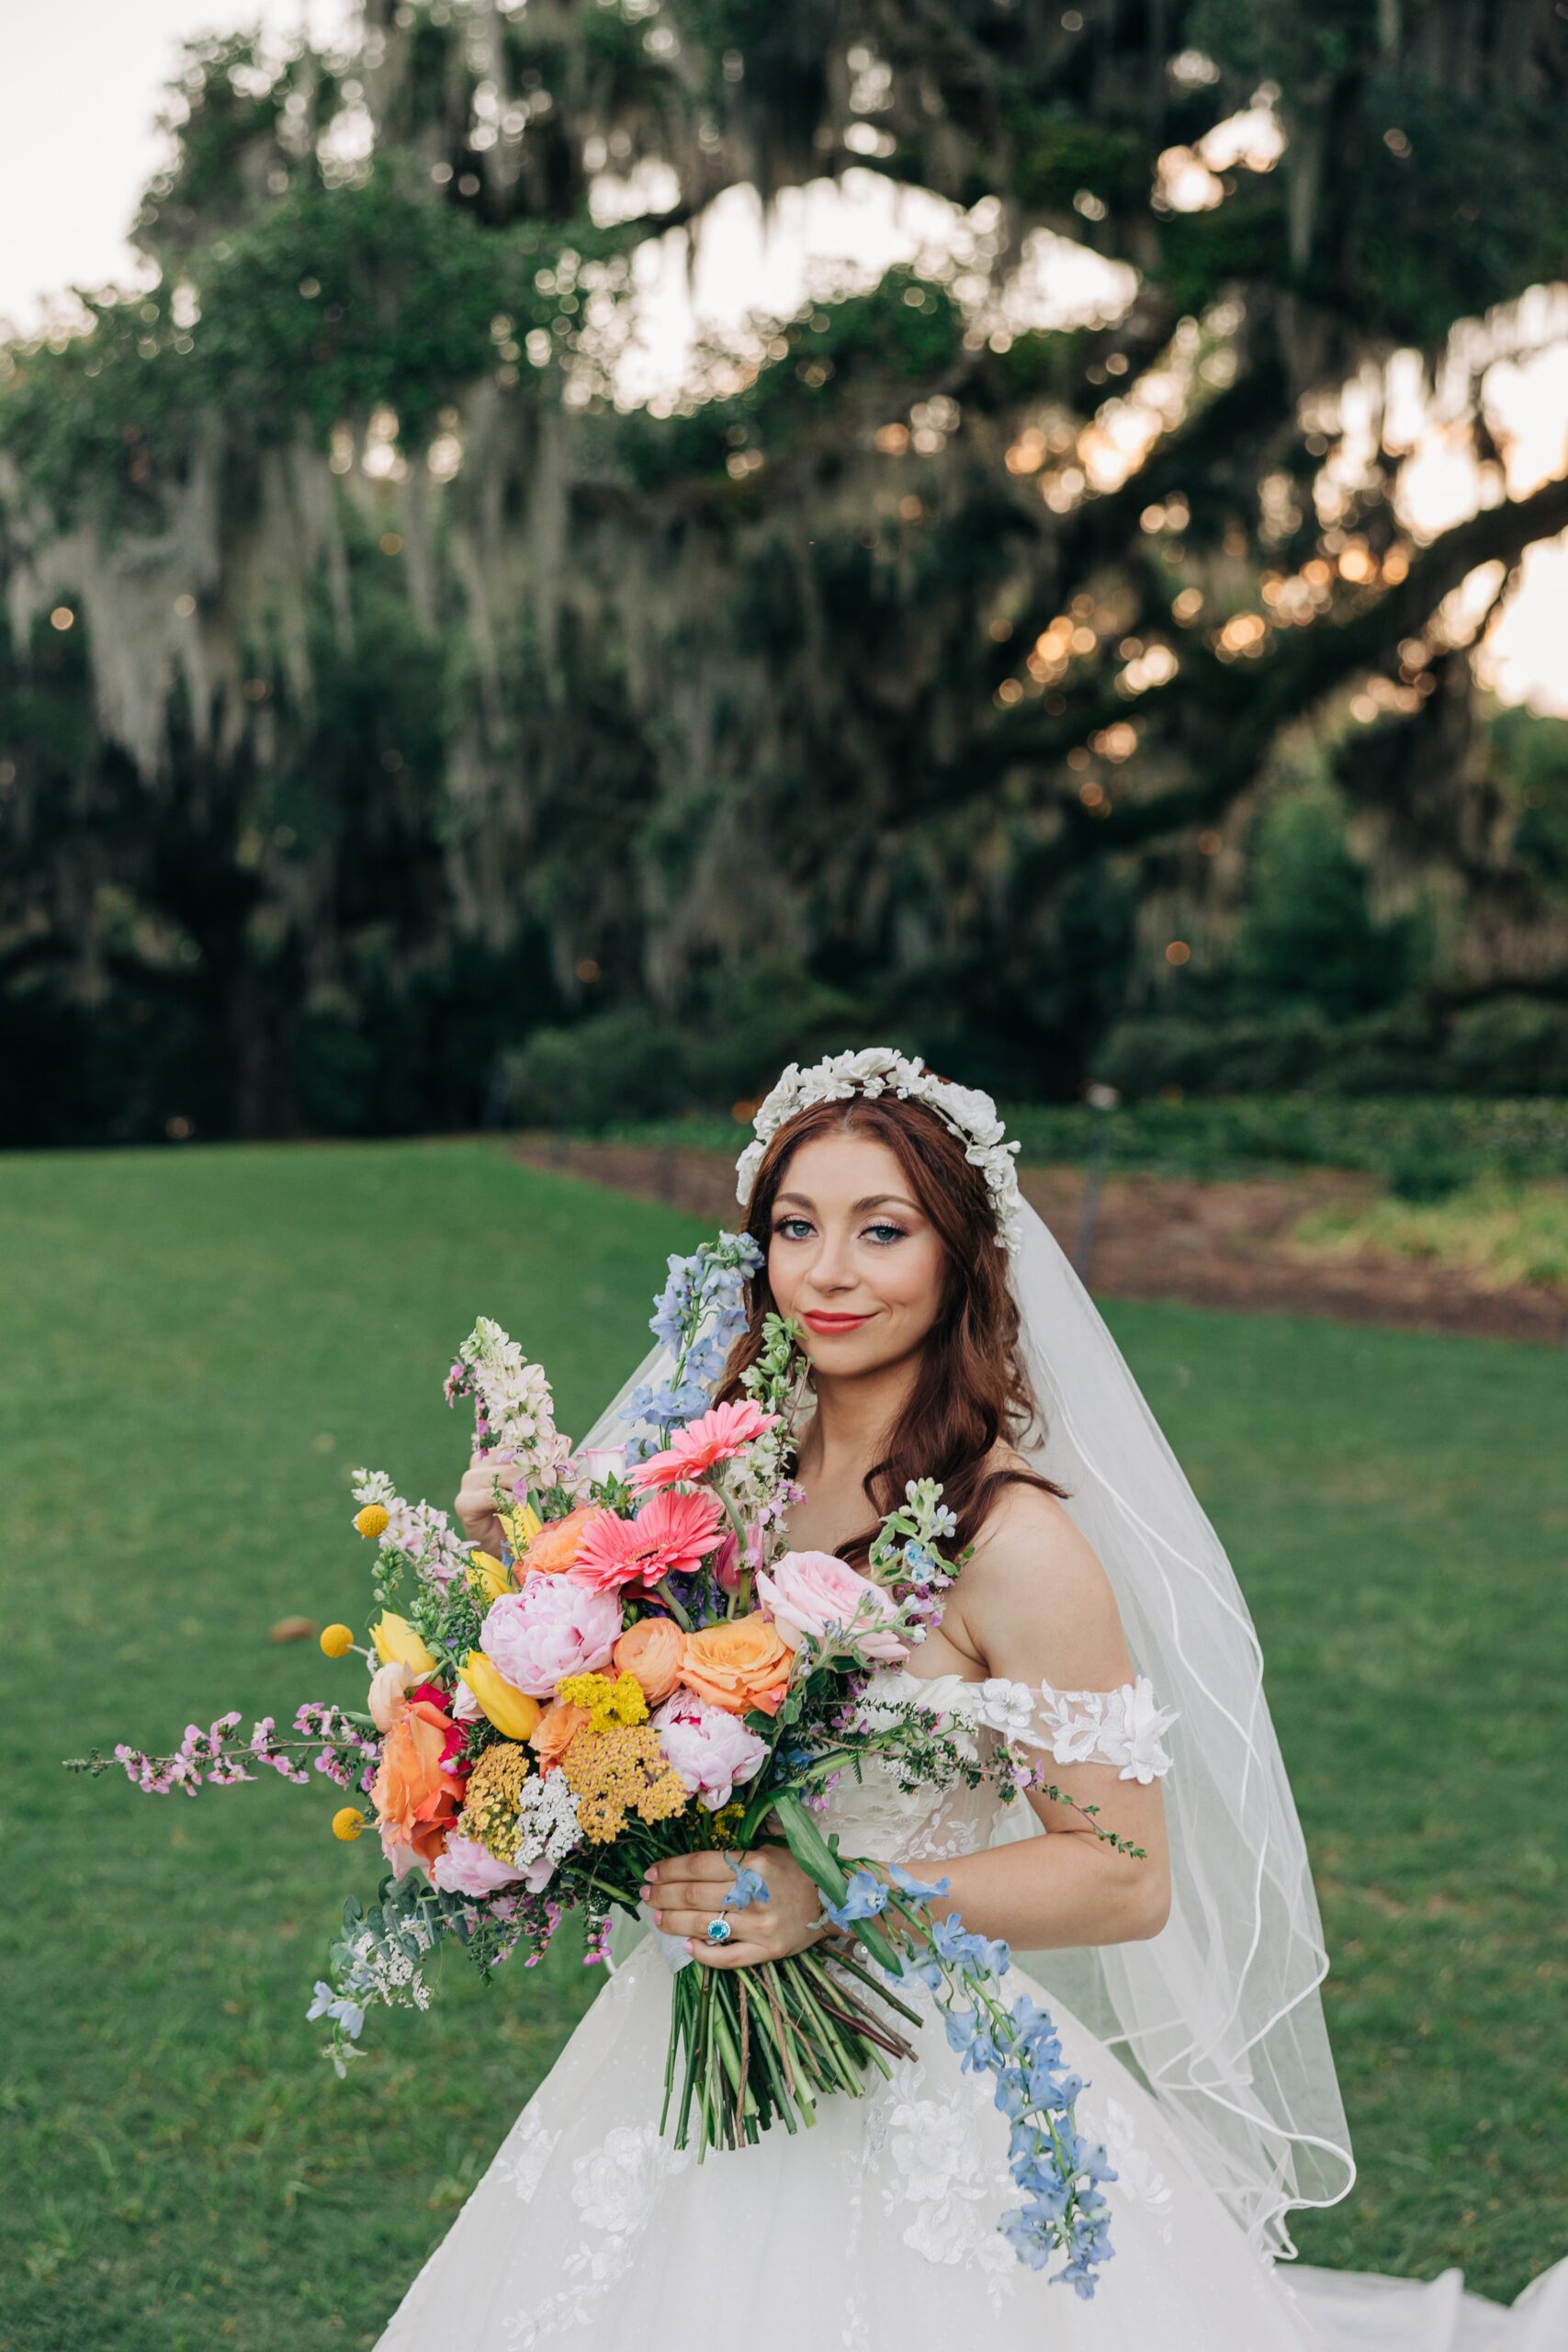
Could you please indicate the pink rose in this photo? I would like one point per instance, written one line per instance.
(556, 1625)
(712, 1751)
(813, 1595)
(388, 1699)
(464, 1867)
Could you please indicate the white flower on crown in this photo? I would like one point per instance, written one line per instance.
(877, 1069)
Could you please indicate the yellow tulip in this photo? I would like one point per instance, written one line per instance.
(397, 1644)
(372, 1520)
(510, 1709)
(337, 1640)
(347, 1823)
(522, 1524)
(487, 1575)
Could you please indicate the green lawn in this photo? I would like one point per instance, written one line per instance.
(198, 1346)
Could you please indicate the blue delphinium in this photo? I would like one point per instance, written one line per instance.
(699, 1314)
(1058, 2172)
(750, 1887)
(910, 1884)
(339, 2008)
(864, 1898)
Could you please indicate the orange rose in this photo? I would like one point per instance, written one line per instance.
(416, 1800)
(652, 1649)
(740, 1663)
(557, 1544)
(555, 1730)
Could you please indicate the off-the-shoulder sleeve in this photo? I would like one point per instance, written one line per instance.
(1124, 1727)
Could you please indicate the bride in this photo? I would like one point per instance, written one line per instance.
(948, 1338)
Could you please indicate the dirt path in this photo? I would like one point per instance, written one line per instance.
(1208, 1244)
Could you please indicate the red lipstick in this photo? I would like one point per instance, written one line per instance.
(828, 1324)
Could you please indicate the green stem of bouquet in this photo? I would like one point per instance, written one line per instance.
(681, 1619)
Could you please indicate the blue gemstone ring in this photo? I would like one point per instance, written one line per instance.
(720, 1931)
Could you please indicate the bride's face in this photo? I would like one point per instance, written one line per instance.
(851, 1257)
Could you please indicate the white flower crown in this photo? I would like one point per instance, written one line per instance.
(877, 1069)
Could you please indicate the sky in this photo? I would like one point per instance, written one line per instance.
(82, 82)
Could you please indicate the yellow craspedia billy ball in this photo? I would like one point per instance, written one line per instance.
(347, 1823)
(372, 1521)
(337, 1640)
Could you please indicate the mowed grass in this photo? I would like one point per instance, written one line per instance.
(197, 1347)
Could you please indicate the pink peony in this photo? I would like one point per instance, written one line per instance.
(716, 1436)
(464, 1867)
(712, 1751)
(813, 1595)
(670, 1536)
(556, 1625)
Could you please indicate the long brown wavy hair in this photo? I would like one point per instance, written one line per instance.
(972, 1388)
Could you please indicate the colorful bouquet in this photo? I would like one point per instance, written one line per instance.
(643, 1670)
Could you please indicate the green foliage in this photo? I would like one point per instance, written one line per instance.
(1501, 1233)
(1062, 155)
(1226, 1136)
(1530, 761)
(1507, 1046)
(331, 302)
(1205, 256)
(1454, 218)
(632, 1063)
(657, 696)
(1308, 936)
(904, 330)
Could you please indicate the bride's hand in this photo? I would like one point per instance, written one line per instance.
(475, 1505)
(685, 1890)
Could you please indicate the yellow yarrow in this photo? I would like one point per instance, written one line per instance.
(372, 1520)
(492, 1799)
(347, 1823)
(337, 1640)
(624, 1701)
(723, 1827)
(612, 1773)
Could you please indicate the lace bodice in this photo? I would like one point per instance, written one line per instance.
(875, 1815)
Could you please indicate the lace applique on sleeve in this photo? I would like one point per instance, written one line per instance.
(1122, 1727)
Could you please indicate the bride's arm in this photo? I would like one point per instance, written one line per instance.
(1034, 1604)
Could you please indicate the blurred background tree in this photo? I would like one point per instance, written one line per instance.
(402, 726)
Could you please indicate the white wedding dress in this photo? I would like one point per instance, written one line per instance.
(877, 2228)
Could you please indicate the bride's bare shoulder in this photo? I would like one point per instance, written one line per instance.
(1035, 1587)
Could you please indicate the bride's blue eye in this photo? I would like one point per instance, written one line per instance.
(792, 1229)
(884, 1231)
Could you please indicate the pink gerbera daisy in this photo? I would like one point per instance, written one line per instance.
(672, 1535)
(718, 1436)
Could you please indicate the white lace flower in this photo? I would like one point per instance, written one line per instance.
(614, 2185)
(1122, 1727)
(936, 2146)
(1138, 2179)
(526, 2154)
(877, 1069)
(1004, 1706)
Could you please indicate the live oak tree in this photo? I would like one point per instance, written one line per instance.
(379, 687)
